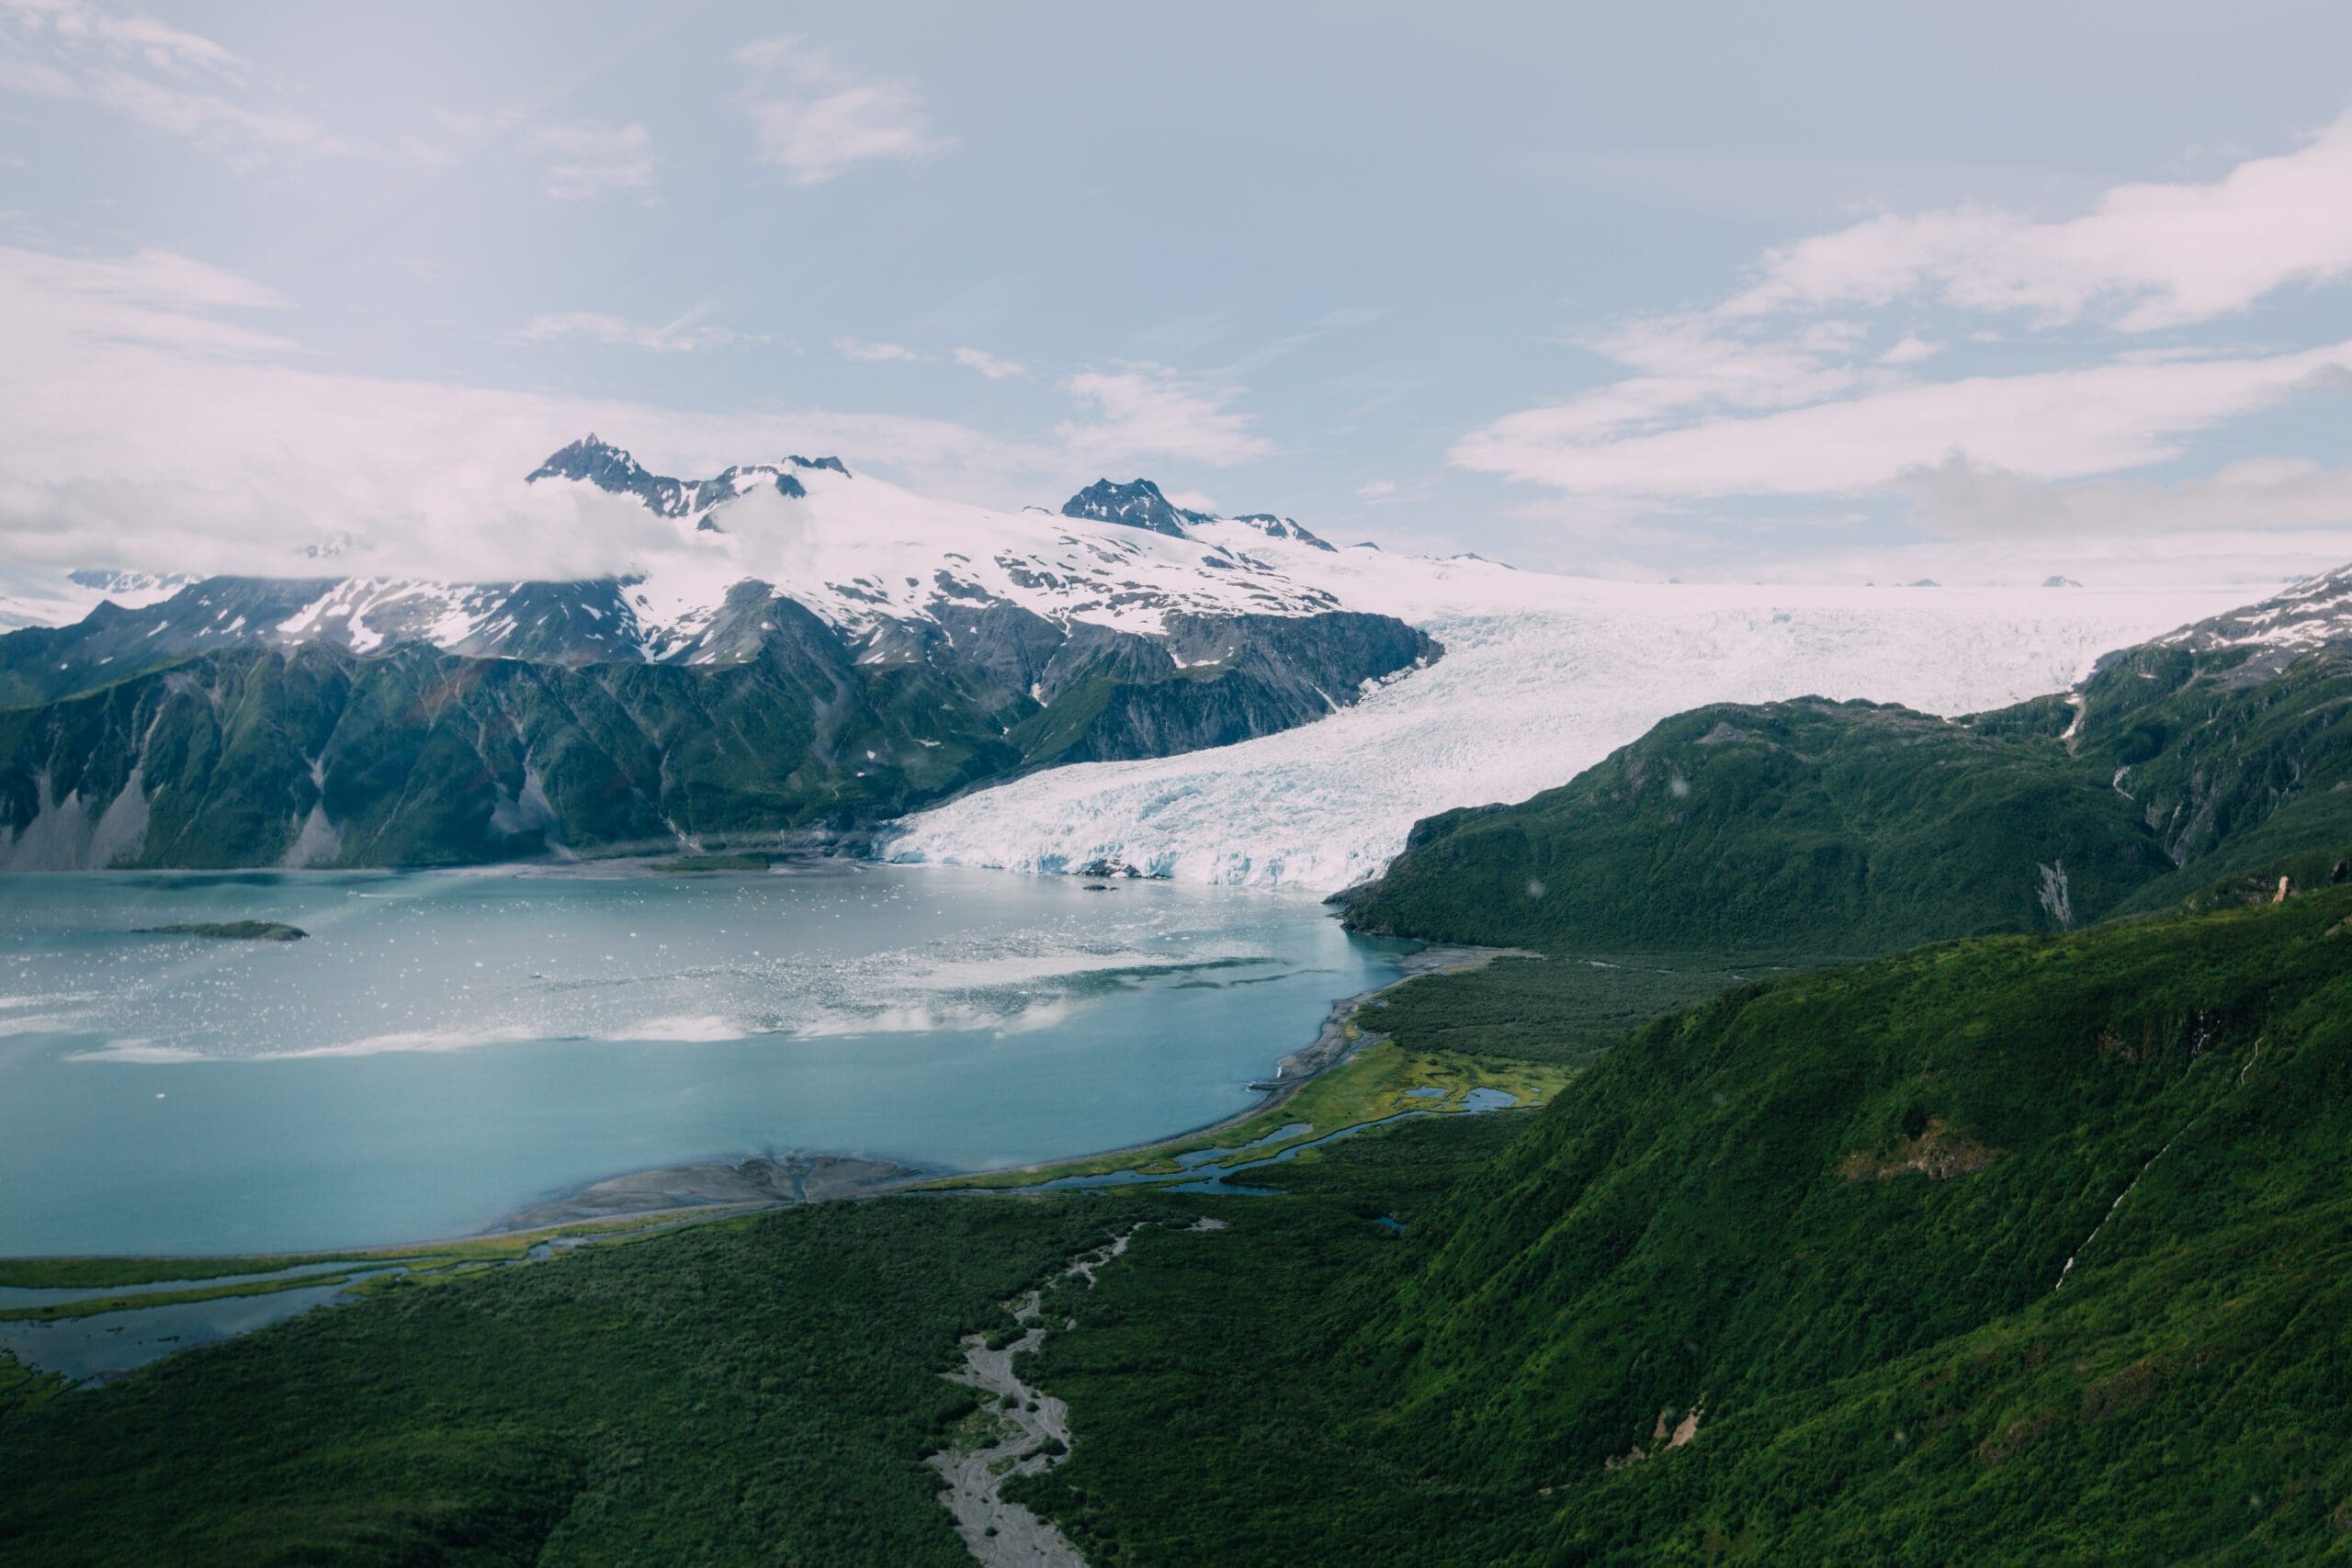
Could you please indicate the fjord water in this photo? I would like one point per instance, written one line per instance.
(447, 1048)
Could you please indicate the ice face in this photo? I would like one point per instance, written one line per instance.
(1546, 679)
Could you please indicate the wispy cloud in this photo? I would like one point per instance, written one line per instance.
(144, 423)
(1149, 411)
(2123, 413)
(169, 80)
(1911, 349)
(584, 161)
(687, 334)
(151, 418)
(1971, 500)
(816, 119)
(989, 365)
(865, 352)
(1800, 385)
(2145, 256)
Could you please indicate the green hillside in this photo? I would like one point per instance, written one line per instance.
(1819, 827)
(1827, 1217)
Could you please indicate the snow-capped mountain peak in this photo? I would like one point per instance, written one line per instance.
(879, 564)
(613, 469)
(863, 554)
(1141, 504)
(1275, 527)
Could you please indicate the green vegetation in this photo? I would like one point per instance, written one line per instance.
(1515, 1025)
(1373, 1083)
(92, 1306)
(1817, 1222)
(103, 1274)
(688, 865)
(21, 1388)
(2030, 1246)
(1828, 1215)
(1804, 827)
(752, 1391)
(1812, 827)
(1562, 1012)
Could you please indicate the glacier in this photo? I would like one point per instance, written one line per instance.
(1542, 676)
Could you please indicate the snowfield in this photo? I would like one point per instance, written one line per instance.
(1542, 676)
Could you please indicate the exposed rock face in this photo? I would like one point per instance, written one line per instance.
(608, 468)
(1138, 504)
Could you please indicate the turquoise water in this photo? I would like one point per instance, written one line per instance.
(448, 1048)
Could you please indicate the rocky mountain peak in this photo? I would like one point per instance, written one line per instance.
(1137, 504)
(610, 469)
(2315, 613)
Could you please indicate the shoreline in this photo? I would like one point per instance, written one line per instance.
(1332, 1042)
(696, 1192)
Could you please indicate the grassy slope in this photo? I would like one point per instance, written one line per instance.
(1886, 1370)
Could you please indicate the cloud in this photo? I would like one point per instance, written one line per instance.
(151, 418)
(685, 335)
(1968, 498)
(2124, 413)
(584, 161)
(86, 28)
(817, 119)
(147, 420)
(989, 365)
(178, 83)
(1799, 386)
(2146, 256)
(872, 353)
(1151, 410)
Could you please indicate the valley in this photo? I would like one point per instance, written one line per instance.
(1824, 1126)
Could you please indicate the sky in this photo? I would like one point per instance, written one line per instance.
(1837, 292)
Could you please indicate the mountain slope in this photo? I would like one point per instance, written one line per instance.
(1835, 1213)
(318, 756)
(1778, 1280)
(1854, 828)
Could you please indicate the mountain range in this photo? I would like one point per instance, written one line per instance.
(821, 651)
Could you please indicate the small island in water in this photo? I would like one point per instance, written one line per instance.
(229, 931)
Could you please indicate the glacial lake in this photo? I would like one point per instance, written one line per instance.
(447, 1048)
